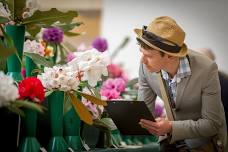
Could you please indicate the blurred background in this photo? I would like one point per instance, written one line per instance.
(204, 21)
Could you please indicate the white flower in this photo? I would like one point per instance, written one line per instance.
(34, 47)
(92, 63)
(4, 11)
(31, 7)
(8, 91)
(62, 78)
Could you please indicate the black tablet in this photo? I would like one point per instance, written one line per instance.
(127, 114)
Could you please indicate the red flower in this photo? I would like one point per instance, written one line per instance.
(32, 89)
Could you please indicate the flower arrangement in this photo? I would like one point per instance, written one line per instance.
(14, 97)
(84, 71)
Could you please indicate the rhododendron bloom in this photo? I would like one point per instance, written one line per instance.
(32, 89)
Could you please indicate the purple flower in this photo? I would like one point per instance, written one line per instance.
(100, 44)
(53, 35)
(70, 56)
(158, 110)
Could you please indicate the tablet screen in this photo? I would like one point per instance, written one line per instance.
(127, 114)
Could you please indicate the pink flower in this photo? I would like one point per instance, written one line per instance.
(70, 56)
(23, 72)
(92, 108)
(115, 71)
(110, 93)
(112, 88)
(120, 84)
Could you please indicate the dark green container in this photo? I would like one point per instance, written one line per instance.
(72, 124)
(17, 33)
(55, 107)
(29, 66)
(30, 143)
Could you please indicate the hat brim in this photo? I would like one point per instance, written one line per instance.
(183, 52)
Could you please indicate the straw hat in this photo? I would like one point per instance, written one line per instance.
(165, 35)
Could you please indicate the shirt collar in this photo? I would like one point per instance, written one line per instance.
(184, 70)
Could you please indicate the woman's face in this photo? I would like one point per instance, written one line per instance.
(152, 59)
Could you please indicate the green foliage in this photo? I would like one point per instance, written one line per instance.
(16, 106)
(46, 18)
(39, 59)
(3, 20)
(105, 124)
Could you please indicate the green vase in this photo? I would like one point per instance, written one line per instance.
(17, 33)
(72, 124)
(104, 139)
(55, 107)
(116, 137)
(29, 66)
(30, 143)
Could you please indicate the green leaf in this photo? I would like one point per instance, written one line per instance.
(71, 34)
(50, 17)
(16, 110)
(36, 71)
(62, 54)
(29, 105)
(81, 110)
(132, 82)
(6, 52)
(93, 99)
(106, 123)
(2, 64)
(67, 103)
(39, 59)
(48, 93)
(7, 38)
(33, 29)
(68, 27)
(3, 20)
(46, 18)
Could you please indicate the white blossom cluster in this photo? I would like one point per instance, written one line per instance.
(34, 47)
(4, 10)
(8, 91)
(31, 7)
(62, 78)
(92, 63)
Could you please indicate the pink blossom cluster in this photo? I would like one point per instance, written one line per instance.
(112, 88)
(115, 71)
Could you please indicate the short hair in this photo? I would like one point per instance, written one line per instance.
(147, 47)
